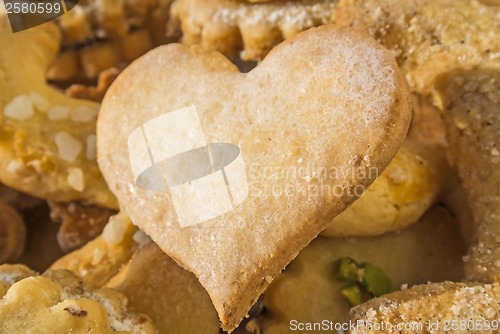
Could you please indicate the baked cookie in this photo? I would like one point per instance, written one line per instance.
(414, 180)
(48, 142)
(432, 308)
(231, 26)
(100, 259)
(471, 100)
(101, 34)
(57, 302)
(428, 53)
(428, 37)
(297, 107)
(171, 296)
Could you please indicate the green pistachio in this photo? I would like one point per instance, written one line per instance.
(352, 293)
(346, 269)
(375, 280)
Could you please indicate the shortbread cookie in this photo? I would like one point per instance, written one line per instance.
(471, 100)
(417, 177)
(435, 308)
(230, 26)
(57, 302)
(326, 99)
(171, 296)
(48, 142)
(428, 37)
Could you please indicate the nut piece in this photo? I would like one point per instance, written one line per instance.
(430, 250)
(75, 26)
(96, 93)
(80, 223)
(20, 108)
(12, 234)
(68, 147)
(101, 34)
(57, 302)
(32, 160)
(99, 57)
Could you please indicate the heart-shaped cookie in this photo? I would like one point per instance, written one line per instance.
(232, 174)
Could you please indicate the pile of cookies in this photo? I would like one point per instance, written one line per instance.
(356, 142)
(98, 35)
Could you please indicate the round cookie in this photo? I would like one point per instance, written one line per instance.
(408, 187)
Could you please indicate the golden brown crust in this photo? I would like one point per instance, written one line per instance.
(468, 306)
(428, 37)
(235, 263)
(491, 2)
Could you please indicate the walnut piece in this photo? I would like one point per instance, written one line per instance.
(80, 222)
